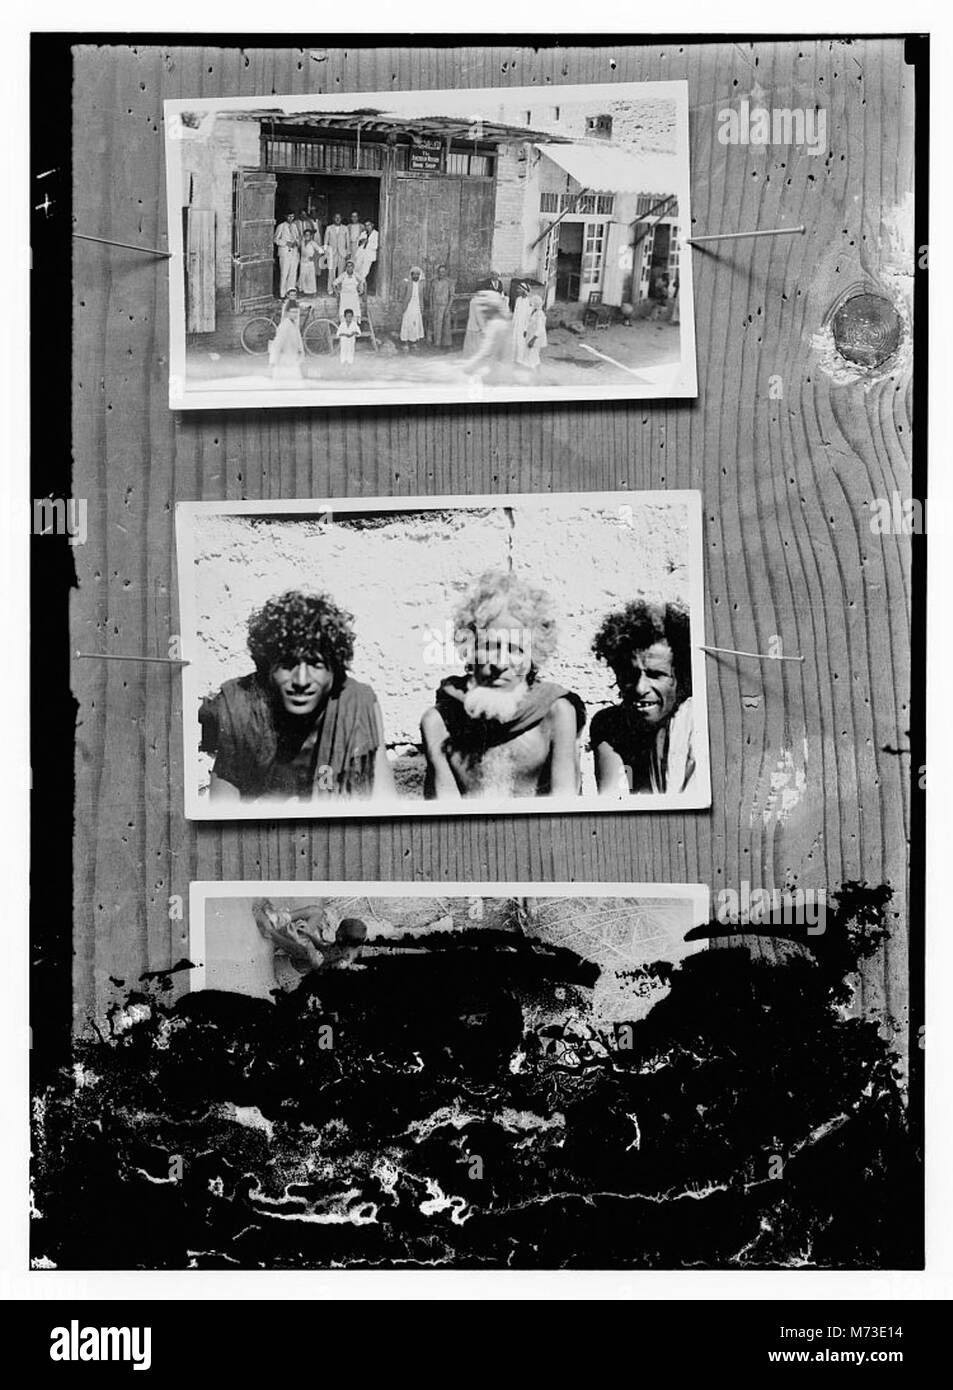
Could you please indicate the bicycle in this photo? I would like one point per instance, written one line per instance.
(317, 333)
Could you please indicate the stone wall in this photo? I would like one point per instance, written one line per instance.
(208, 165)
(402, 575)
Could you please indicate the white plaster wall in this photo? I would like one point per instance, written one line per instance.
(403, 576)
(210, 163)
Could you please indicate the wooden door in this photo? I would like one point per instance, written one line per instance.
(253, 234)
(199, 270)
(440, 220)
(646, 246)
(550, 247)
(475, 242)
(422, 225)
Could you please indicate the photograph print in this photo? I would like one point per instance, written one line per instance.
(399, 247)
(432, 656)
(400, 1074)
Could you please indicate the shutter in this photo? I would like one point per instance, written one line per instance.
(200, 271)
(253, 233)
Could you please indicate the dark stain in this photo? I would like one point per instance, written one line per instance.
(415, 1113)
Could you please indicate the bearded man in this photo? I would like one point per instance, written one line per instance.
(498, 730)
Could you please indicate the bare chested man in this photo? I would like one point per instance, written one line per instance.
(498, 730)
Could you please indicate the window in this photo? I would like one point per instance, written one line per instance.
(599, 203)
(474, 166)
(599, 125)
(659, 204)
(299, 152)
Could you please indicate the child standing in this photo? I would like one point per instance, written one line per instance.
(348, 333)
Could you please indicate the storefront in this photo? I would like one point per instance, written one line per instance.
(430, 187)
(608, 224)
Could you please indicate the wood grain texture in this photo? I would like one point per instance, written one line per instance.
(803, 789)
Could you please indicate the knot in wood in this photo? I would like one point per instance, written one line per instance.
(867, 329)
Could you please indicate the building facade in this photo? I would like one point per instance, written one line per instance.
(488, 196)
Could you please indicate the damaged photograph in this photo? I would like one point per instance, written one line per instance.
(398, 247)
(443, 656)
(506, 1075)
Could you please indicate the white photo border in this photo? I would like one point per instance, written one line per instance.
(683, 387)
(200, 809)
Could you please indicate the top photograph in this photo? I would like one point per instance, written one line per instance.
(392, 248)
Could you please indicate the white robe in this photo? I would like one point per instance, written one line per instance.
(521, 317)
(412, 324)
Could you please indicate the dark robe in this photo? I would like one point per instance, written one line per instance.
(657, 760)
(263, 752)
(476, 736)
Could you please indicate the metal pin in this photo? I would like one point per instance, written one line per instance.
(737, 236)
(126, 245)
(111, 656)
(755, 656)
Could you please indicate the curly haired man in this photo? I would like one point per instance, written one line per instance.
(644, 744)
(498, 730)
(298, 727)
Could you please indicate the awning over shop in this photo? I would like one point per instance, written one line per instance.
(607, 169)
(369, 121)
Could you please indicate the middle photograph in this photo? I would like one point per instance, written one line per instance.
(443, 656)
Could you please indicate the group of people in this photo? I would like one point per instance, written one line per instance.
(426, 309)
(499, 336)
(500, 332)
(300, 727)
(340, 249)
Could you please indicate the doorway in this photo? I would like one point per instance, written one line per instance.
(661, 250)
(322, 195)
(569, 262)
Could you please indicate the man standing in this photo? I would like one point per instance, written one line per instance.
(644, 744)
(286, 240)
(439, 303)
(367, 252)
(355, 230)
(498, 730)
(299, 728)
(335, 249)
(304, 222)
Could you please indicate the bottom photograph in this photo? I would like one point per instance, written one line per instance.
(385, 1075)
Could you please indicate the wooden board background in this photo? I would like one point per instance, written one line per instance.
(803, 787)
